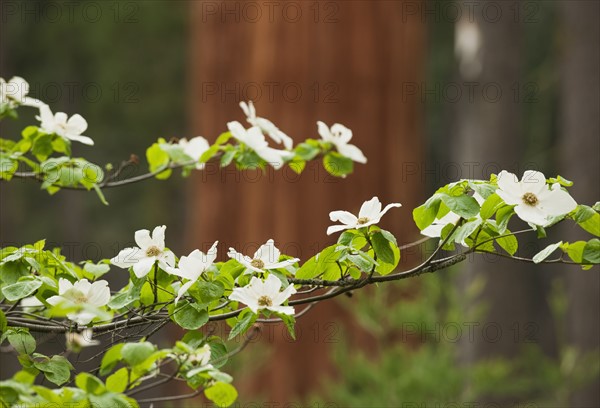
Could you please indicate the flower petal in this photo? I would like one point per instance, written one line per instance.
(343, 216)
(352, 152)
(557, 201)
(370, 209)
(127, 257)
(288, 310)
(142, 239)
(531, 214)
(533, 182)
(77, 124)
(324, 131)
(509, 184)
(268, 253)
(142, 267)
(99, 293)
(336, 228)
(158, 236)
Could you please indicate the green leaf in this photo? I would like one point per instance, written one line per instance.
(509, 243)
(463, 205)
(503, 216)
(362, 262)
(189, 315)
(57, 369)
(546, 252)
(111, 358)
(383, 248)
(42, 146)
(589, 221)
(290, 322)
(22, 288)
(222, 394)
(575, 250)
(228, 157)
(306, 151)
(136, 353)
(158, 159)
(21, 340)
(591, 251)
(207, 292)
(490, 206)
(90, 384)
(243, 323)
(118, 381)
(337, 165)
(223, 138)
(218, 352)
(385, 268)
(425, 214)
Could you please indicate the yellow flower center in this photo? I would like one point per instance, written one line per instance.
(265, 301)
(80, 299)
(257, 263)
(153, 251)
(362, 220)
(530, 199)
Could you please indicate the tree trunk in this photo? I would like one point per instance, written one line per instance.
(488, 139)
(342, 62)
(580, 149)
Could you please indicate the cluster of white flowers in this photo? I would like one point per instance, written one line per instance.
(14, 94)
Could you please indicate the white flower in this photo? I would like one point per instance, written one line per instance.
(195, 148)
(265, 258)
(370, 213)
(264, 295)
(266, 125)
(201, 356)
(534, 201)
(192, 266)
(435, 229)
(339, 136)
(151, 250)
(83, 292)
(254, 139)
(60, 124)
(14, 93)
(31, 304)
(76, 341)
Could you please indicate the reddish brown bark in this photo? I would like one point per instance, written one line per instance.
(359, 62)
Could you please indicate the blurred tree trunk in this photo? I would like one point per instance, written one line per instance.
(340, 62)
(489, 138)
(580, 148)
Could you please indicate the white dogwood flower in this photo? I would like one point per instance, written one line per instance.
(370, 213)
(15, 91)
(265, 258)
(81, 293)
(266, 125)
(264, 295)
(30, 304)
(77, 341)
(339, 136)
(254, 139)
(195, 148)
(60, 124)
(191, 267)
(151, 250)
(535, 202)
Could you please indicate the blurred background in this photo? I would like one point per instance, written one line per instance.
(434, 91)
